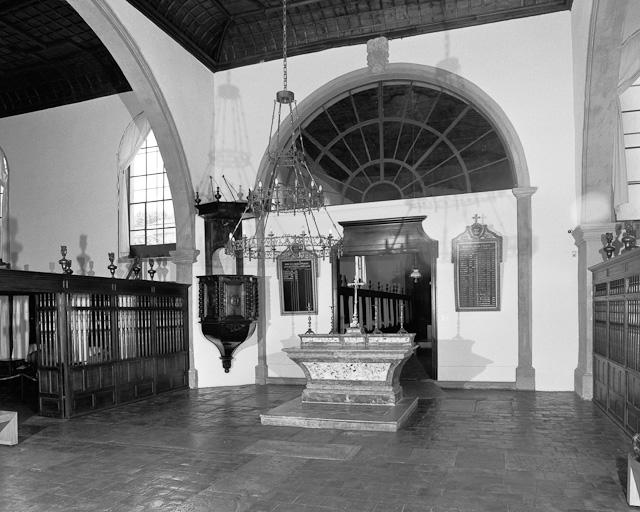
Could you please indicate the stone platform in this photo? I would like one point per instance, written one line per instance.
(352, 383)
(382, 418)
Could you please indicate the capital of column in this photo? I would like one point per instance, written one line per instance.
(521, 192)
(184, 256)
(591, 233)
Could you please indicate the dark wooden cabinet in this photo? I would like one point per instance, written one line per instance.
(616, 338)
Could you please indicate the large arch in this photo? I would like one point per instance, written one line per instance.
(484, 104)
(122, 46)
(418, 73)
(612, 64)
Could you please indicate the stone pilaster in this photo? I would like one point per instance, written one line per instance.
(525, 373)
(588, 239)
(261, 370)
(184, 260)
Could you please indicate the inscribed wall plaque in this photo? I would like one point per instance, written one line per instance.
(297, 275)
(476, 255)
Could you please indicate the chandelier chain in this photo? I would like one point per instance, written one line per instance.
(284, 44)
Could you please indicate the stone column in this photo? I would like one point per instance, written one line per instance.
(262, 370)
(588, 239)
(525, 373)
(184, 260)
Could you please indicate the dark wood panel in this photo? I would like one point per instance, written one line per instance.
(99, 339)
(616, 339)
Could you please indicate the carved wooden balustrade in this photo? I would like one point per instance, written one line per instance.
(392, 304)
(102, 342)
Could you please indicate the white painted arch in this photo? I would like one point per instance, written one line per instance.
(123, 48)
(480, 100)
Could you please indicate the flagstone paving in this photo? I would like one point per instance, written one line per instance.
(205, 450)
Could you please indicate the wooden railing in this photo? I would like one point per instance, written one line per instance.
(392, 304)
(102, 342)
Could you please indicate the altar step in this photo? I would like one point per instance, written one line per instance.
(382, 418)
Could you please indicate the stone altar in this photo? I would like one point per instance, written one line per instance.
(352, 382)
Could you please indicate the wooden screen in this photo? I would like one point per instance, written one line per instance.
(616, 339)
(102, 342)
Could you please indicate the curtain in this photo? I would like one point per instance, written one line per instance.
(620, 186)
(629, 72)
(4, 222)
(134, 135)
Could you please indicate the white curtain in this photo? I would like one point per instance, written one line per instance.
(4, 222)
(133, 137)
(629, 72)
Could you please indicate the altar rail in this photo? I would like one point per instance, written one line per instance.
(616, 338)
(102, 342)
(390, 303)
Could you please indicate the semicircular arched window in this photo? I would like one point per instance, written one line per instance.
(397, 139)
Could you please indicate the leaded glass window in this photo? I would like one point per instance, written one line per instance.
(152, 225)
(630, 104)
(398, 139)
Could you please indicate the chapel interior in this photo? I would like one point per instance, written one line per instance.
(318, 256)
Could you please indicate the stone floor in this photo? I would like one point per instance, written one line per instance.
(205, 450)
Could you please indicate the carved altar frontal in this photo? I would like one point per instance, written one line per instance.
(353, 382)
(352, 369)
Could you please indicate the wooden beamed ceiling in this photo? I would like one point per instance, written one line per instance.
(224, 34)
(50, 57)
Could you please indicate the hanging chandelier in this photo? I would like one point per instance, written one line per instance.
(290, 189)
(269, 246)
(291, 186)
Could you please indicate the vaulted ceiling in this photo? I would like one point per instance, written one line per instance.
(50, 57)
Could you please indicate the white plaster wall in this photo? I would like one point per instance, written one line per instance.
(186, 84)
(472, 346)
(526, 66)
(64, 182)
(632, 18)
(580, 28)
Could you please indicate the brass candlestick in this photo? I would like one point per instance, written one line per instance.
(332, 331)
(309, 330)
(402, 329)
(136, 268)
(376, 318)
(151, 271)
(64, 262)
(112, 267)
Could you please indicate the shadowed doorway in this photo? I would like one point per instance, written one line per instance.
(400, 284)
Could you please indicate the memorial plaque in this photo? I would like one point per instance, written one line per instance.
(476, 255)
(297, 275)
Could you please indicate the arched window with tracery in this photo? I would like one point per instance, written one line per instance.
(152, 225)
(399, 139)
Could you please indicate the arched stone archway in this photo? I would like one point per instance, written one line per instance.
(611, 65)
(484, 104)
(122, 46)
(451, 82)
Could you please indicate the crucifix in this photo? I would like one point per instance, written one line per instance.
(476, 218)
(359, 280)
